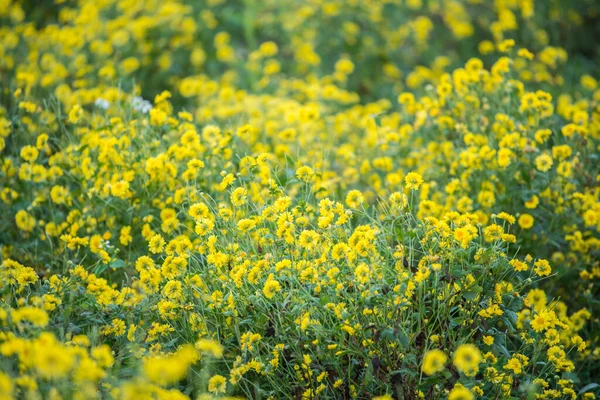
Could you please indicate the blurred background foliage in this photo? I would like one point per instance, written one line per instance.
(395, 44)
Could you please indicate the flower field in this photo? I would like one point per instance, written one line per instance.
(300, 199)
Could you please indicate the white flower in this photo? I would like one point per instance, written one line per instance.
(102, 103)
(141, 105)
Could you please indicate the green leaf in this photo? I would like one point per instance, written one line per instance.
(398, 337)
(100, 269)
(369, 375)
(511, 316)
(472, 293)
(504, 350)
(402, 339)
(588, 388)
(118, 263)
(388, 334)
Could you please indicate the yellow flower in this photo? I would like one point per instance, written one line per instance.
(6, 387)
(125, 236)
(29, 153)
(543, 162)
(526, 221)
(591, 217)
(52, 360)
(413, 181)
(211, 347)
(486, 47)
(305, 173)
(103, 356)
(533, 202)
(309, 240)
(354, 199)
(542, 135)
(33, 315)
(467, 358)
(460, 392)
(227, 180)
(515, 365)
(238, 197)
(120, 189)
(492, 233)
(505, 45)
(59, 194)
(344, 66)
(157, 244)
(271, 287)
(588, 82)
(542, 267)
(25, 221)
(434, 361)
(507, 217)
(519, 266)
(169, 369)
(362, 273)
(217, 384)
(556, 354)
(75, 114)
(525, 54)
(504, 157)
(81, 340)
(406, 98)
(204, 226)
(268, 49)
(543, 320)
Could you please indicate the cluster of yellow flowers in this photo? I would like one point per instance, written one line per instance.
(280, 200)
